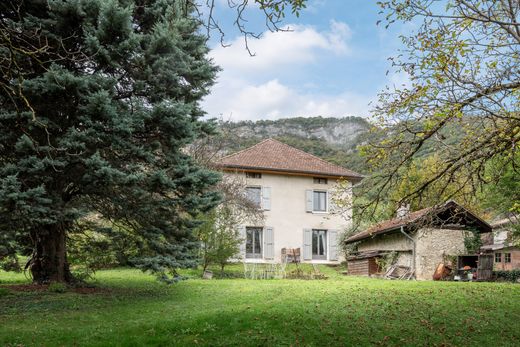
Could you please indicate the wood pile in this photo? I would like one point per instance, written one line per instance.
(399, 272)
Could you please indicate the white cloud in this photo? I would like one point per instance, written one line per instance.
(275, 50)
(251, 87)
(272, 100)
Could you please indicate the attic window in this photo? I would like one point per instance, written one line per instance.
(320, 180)
(253, 175)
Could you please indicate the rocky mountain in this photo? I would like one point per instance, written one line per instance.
(333, 139)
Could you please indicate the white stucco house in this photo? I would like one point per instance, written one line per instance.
(297, 193)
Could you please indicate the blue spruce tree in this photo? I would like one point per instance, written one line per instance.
(98, 100)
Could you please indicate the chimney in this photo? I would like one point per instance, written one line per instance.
(403, 210)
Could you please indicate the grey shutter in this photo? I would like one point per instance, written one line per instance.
(242, 234)
(308, 200)
(333, 245)
(307, 244)
(268, 243)
(266, 198)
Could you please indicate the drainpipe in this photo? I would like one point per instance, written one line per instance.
(413, 249)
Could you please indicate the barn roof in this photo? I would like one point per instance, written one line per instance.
(448, 213)
(274, 156)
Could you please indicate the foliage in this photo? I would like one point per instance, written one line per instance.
(219, 237)
(503, 194)
(342, 310)
(92, 247)
(511, 275)
(347, 249)
(10, 263)
(462, 64)
(387, 260)
(57, 287)
(472, 241)
(103, 98)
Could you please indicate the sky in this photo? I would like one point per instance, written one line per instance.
(332, 63)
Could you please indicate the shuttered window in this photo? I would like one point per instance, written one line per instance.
(253, 242)
(255, 195)
(319, 201)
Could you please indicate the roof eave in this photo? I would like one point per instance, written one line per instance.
(231, 167)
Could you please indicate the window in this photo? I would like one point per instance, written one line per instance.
(507, 257)
(254, 194)
(320, 180)
(253, 242)
(319, 201)
(498, 257)
(253, 175)
(319, 244)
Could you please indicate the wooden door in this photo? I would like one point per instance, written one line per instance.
(485, 267)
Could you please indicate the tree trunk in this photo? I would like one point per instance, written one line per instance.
(49, 258)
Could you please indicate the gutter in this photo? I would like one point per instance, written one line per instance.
(413, 249)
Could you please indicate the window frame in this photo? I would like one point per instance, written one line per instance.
(326, 210)
(498, 258)
(320, 180)
(325, 254)
(507, 258)
(253, 254)
(253, 175)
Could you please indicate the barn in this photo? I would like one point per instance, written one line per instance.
(421, 240)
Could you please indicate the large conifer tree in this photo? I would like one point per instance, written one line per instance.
(98, 99)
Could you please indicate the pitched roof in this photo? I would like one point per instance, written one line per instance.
(272, 155)
(450, 211)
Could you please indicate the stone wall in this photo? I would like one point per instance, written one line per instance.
(391, 242)
(432, 245)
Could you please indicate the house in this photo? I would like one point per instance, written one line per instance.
(421, 239)
(295, 190)
(506, 254)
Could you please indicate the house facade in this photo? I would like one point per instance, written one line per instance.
(506, 253)
(421, 240)
(299, 196)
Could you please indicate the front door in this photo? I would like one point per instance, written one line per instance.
(319, 244)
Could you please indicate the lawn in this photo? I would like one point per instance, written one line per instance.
(132, 309)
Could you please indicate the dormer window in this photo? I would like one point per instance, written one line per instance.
(253, 175)
(320, 180)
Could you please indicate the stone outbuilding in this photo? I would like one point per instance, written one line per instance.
(420, 240)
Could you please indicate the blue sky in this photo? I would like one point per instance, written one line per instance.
(332, 63)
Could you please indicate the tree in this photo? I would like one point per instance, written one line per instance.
(220, 238)
(98, 100)
(464, 77)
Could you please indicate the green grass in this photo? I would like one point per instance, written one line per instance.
(134, 310)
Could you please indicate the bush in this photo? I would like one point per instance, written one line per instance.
(512, 275)
(56, 287)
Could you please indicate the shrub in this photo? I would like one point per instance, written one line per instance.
(512, 275)
(56, 287)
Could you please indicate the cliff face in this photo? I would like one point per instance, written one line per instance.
(337, 132)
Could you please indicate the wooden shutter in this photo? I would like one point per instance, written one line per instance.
(268, 243)
(333, 244)
(307, 244)
(242, 233)
(266, 198)
(309, 200)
